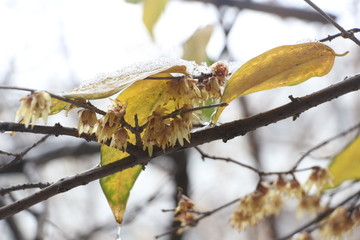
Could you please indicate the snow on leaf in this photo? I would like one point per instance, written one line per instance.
(346, 165)
(109, 84)
(282, 66)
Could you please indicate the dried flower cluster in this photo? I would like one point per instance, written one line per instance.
(337, 224)
(163, 132)
(267, 199)
(109, 126)
(190, 91)
(264, 202)
(106, 128)
(185, 93)
(34, 106)
(184, 212)
(319, 179)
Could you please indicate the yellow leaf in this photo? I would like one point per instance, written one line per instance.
(151, 13)
(141, 99)
(110, 84)
(195, 46)
(278, 67)
(346, 165)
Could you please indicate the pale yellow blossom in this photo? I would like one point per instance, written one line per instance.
(87, 120)
(107, 126)
(264, 202)
(119, 139)
(184, 212)
(34, 106)
(319, 179)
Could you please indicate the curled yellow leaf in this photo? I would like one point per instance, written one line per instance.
(282, 66)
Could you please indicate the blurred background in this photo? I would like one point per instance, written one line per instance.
(55, 45)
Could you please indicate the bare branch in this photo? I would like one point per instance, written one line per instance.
(25, 186)
(271, 8)
(342, 134)
(331, 37)
(344, 33)
(19, 156)
(205, 155)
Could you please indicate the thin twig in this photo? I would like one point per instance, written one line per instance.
(137, 132)
(18, 88)
(78, 104)
(331, 37)
(64, 99)
(183, 111)
(25, 186)
(20, 156)
(8, 153)
(342, 134)
(260, 173)
(345, 34)
(205, 155)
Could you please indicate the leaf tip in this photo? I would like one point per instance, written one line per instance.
(341, 55)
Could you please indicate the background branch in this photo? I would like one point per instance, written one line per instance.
(271, 8)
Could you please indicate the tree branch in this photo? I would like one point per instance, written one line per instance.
(25, 186)
(225, 132)
(272, 8)
(344, 33)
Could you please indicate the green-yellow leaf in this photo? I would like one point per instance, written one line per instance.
(346, 165)
(58, 105)
(117, 187)
(195, 46)
(151, 13)
(278, 67)
(133, 1)
(141, 99)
